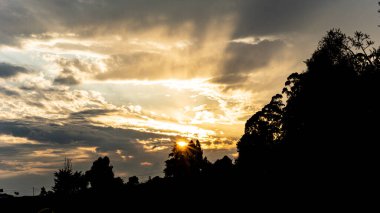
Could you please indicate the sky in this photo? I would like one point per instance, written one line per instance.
(129, 78)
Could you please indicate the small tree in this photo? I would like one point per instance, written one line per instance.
(43, 192)
(67, 182)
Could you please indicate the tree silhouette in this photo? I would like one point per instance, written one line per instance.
(262, 131)
(327, 119)
(43, 192)
(326, 128)
(185, 161)
(101, 176)
(133, 181)
(67, 182)
(223, 166)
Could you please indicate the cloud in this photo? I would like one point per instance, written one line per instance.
(146, 163)
(8, 91)
(9, 70)
(242, 59)
(149, 40)
(73, 70)
(90, 113)
(72, 134)
(28, 144)
(88, 17)
(270, 17)
(153, 66)
(13, 16)
(66, 80)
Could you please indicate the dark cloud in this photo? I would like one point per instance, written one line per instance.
(66, 80)
(9, 70)
(72, 135)
(242, 59)
(136, 14)
(17, 20)
(107, 138)
(86, 17)
(231, 78)
(9, 92)
(9, 151)
(90, 113)
(271, 17)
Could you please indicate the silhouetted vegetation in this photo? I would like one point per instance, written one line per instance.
(67, 182)
(133, 181)
(320, 132)
(185, 161)
(101, 176)
(43, 192)
(327, 129)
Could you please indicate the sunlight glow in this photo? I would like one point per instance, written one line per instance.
(182, 144)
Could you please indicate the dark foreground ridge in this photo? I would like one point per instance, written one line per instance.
(315, 140)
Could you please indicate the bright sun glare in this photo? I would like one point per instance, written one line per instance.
(182, 144)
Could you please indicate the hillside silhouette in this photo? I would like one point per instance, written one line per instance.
(317, 136)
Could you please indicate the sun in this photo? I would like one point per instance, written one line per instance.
(182, 144)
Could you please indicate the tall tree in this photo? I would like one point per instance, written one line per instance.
(185, 160)
(262, 132)
(327, 119)
(327, 126)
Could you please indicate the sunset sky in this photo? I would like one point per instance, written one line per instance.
(128, 78)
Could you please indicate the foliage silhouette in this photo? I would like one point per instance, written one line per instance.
(185, 161)
(133, 181)
(326, 130)
(101, 176)
(43, 192)
(222, 167)
(262, 132)
(67, 182)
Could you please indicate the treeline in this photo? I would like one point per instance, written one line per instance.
(185, 163)
(319, 134)
(323, 127)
